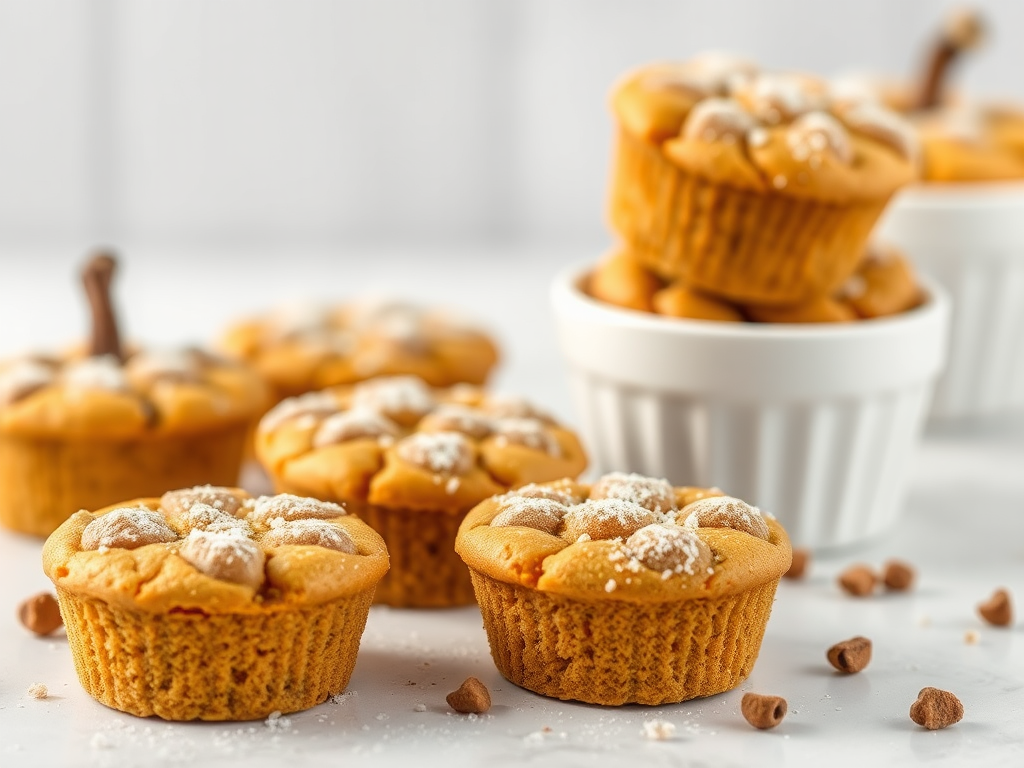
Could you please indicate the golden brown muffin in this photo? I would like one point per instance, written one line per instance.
(624, 591)
(884, 284)
(209, 604)
(965, 143)
(621, 280)
(823, 309)
(103, 423)
(679, 301)
(305, 348)
(749, 186)
(81, 433)
(411, 461)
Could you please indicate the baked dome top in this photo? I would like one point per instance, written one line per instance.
(153, 392)
(308, 347)
(625, 537)
(724, 119)
(214, 550)
(396, 442)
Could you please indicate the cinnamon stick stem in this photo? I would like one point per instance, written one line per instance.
(96, 277)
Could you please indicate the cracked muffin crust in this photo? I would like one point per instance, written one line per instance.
(629, 590)
(411, 461)
(209, 604)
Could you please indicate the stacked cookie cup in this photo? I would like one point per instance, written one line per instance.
(744, 195)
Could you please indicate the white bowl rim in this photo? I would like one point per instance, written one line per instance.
(566, 288)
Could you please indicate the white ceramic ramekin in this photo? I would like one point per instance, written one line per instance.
(814, 424)
(970, 237)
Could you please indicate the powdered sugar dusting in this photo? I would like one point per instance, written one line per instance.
(654, 494)
(350, 425)
(505, 407)
(22, 378)
(447, 453)
(309, 532)
(102, 372)
(220, 498)
(726, 512)
(540, 513)
(455, 417)
(316, 404)
(562, 494)
(206, 518)
(127, 528)
(669, 548)
(885, 126)
(815, 133)
(606, 519)
(225, 555)
(393, 395)
(290, 507)
(526, 432)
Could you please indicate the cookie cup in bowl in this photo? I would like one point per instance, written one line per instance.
(813, 423)
(970, 237)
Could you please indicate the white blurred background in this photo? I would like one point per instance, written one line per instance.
(237, 123)
(272, 149)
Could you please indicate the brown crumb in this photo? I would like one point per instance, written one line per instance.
(763, 711)
(801, 558)
(898, 575)
(997, 610)
(40, 614)
(858, 580)
(972, 637)
(936, 709)
(472, 697)
(850, 655)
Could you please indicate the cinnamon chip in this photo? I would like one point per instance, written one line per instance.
(763, 711)
(997, 610)
(801, 557)
(936, 709)
(472, 697)
(40, 614)
(897, 575)
(858, 580)
(851, 655)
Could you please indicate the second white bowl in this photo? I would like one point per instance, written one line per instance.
(970, 237)
(813, 423)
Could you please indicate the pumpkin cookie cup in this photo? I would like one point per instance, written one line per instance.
(308, 348)
(411, 460)
(208, 604)
(752, 187)
(625, 591)
(85, 429)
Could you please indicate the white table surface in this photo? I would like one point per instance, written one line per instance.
(963, 529)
